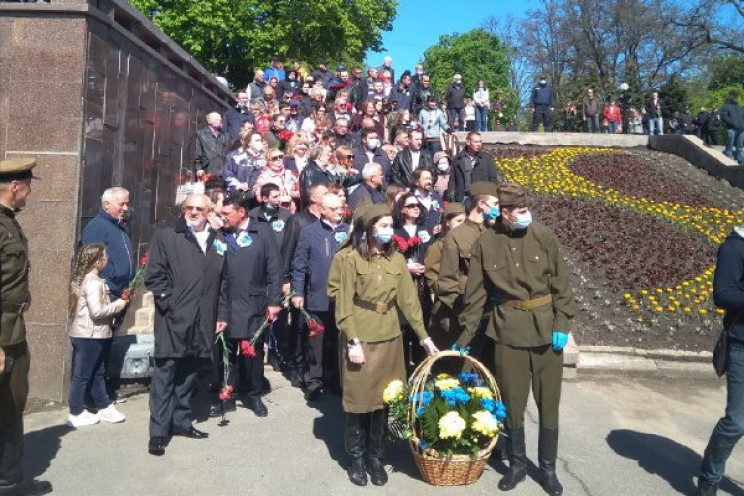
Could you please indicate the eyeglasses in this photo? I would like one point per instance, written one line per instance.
(412, 205)
(350, 156)
(190, 208)
(335, 209)
(277, 157)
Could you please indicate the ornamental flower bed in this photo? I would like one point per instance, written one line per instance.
(640, 231)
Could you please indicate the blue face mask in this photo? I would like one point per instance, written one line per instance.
(384, 235)
(523, 221)
(492, 214)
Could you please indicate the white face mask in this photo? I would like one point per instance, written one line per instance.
(523, 221)
(442, 166)
(373, 143)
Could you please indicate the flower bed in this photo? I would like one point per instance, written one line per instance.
(641, 242)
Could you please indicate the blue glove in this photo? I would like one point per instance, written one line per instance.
(559, 340)
(463, 351)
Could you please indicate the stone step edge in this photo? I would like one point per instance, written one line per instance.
(666, 354)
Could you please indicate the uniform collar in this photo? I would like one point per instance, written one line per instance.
(5, 210)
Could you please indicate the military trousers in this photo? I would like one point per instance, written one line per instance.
(517, 370)
(13, 395)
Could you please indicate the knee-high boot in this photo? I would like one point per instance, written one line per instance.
(354, 440)
(547, 453)
(517, 459)
(11, 453)
(375, 453)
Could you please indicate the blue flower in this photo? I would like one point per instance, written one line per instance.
(471, 379)
(420, 411)
(496, 408)
(455, 396)
(423, 444)
(423, 398)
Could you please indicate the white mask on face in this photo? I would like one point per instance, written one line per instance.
(442, 166)
(373, 143)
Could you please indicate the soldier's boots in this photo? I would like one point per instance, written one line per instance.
(706, 488)
(547, 453)
(354, 441)
(377, 427)
(517, 459)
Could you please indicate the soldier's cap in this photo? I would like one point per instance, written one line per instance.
(364, 201)
(480, 188)
(513, 195)
(452, 209)
(374, 211)
(17, 169)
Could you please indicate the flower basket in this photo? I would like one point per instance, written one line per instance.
(457, 469)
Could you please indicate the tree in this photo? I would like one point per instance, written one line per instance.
(475, 55)
(233, 38)
(717, 23)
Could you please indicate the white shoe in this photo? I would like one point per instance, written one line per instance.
(111, 415)
(82, 419)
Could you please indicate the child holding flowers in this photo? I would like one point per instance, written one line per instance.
(91, 336)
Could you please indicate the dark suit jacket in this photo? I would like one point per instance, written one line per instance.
(402, 167)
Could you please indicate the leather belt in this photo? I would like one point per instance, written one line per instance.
(527, 305)
(9, 307)
(381, 308)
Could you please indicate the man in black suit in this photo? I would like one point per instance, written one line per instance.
(184, 273)
(408, 160)
(252, 295)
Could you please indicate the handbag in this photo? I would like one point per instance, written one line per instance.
(720, 351)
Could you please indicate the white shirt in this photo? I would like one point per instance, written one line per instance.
(201, 237)
(415, 157)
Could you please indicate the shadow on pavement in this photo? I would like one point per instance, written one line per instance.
(675, 463)
(41, 448)
(329, 427)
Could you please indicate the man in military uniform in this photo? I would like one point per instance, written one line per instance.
(453, 272)
(15, 186)
(520, 261)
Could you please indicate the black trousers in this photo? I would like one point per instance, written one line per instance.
(321, 353)
(173, 384)
(13, 395)
(542, 113)
(245, 373)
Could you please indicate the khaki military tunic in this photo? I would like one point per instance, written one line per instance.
(453, 271)
(14, 297)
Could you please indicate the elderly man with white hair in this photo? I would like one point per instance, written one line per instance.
(211, 147)
(371, 186)
(184, 273)
(109, 229)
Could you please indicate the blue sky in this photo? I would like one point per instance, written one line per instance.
(420, 23)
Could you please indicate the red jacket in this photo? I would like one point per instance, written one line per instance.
(612, 114)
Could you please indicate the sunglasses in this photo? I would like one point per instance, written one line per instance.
(350, 156)
(277, 157)
(412, 205)
(190, 208)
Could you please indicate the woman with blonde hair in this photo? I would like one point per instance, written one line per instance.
(92, 315)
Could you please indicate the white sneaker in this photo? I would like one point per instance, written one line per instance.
(111, 415)
(82, 419)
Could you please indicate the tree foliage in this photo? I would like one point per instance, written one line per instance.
(232, 38)
(475, 55)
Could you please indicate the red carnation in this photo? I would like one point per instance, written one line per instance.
(415, 240)
(446, 203)
(247, 349)
(353, 172)
(286, 135)
(143, 260)
(402, 243)
(315, 328)
(229, 388)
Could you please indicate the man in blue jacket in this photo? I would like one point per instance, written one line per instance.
(729, 295)
(109, 229)
(311, 264)
(542, 102)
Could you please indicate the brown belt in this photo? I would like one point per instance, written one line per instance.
(381, 308)
(527, 305)
(9, 307)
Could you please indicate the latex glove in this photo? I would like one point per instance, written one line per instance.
(356, 353)
(559, 340)
(430, 347)
(220, 327)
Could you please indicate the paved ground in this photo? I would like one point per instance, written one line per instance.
(620, 436)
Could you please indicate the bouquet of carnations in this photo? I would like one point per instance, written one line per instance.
(314, 327)
(451, 421)
(138, 279)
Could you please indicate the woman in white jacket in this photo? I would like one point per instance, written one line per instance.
(91, 336)
(482, 101)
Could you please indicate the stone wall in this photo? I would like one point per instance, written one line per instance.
(102, 98)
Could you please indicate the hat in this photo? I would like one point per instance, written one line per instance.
(455, 208)
(376, 210)
(439, 156)
(361, 206)
(340, 68)
(17, 169)
(480, 188)
(513, 195)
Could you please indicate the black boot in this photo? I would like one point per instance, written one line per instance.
(706, 488)
(11, 457)
(354, 440)
(517, 459)
(547, 452)
(376, 447)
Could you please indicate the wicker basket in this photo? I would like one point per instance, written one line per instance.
(459, 469)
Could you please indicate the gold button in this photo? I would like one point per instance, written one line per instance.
(516, 264)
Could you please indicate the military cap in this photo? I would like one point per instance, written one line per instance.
(17, 169)
(373, 211)
(455, 208)
(513, 195)
(361, 207)
(480, 188)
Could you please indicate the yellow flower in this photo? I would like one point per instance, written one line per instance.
(480, 392)
(393, 392)
(446, 384)
(484, 423)
(451, 425)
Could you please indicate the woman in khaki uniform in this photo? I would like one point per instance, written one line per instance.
(374, 281)
(452, 216)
